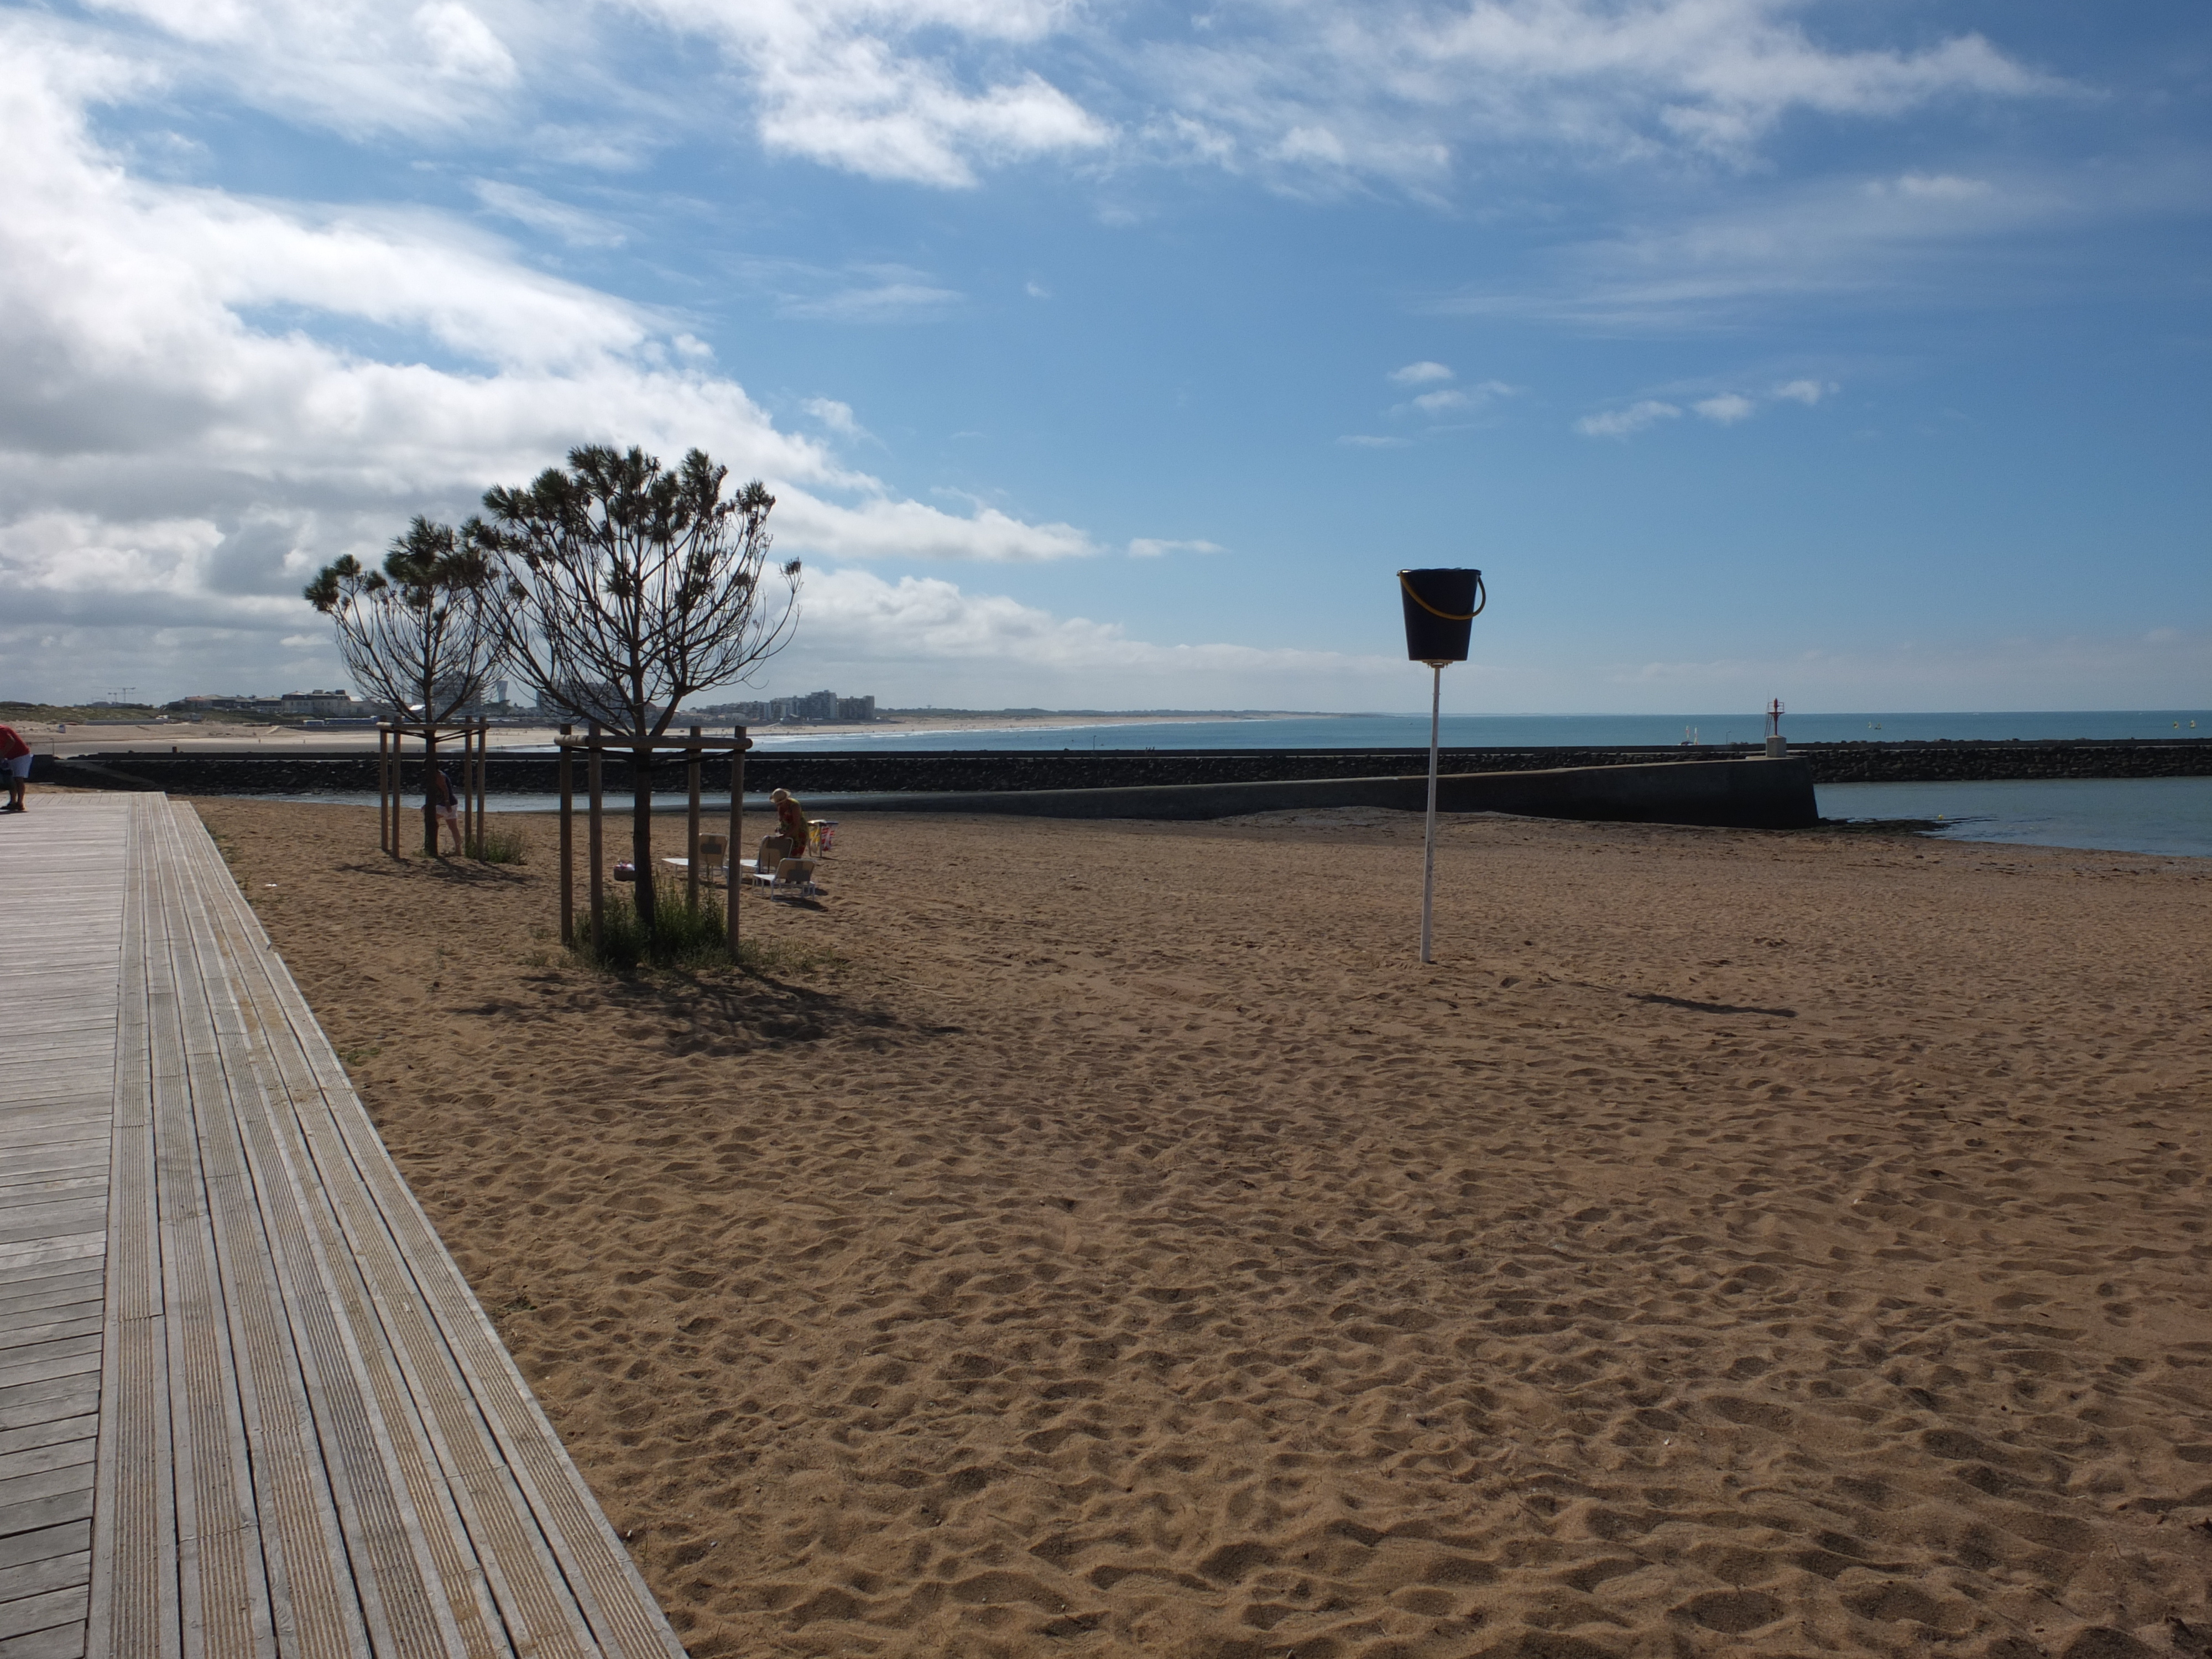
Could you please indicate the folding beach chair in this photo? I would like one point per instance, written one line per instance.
(793, 879)
(714, 859)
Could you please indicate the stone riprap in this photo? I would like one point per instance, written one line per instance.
(971, 771)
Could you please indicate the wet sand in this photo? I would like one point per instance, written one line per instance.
(1104, 1239)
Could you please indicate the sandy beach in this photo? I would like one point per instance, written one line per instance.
(84, 737)
(1107, 1239)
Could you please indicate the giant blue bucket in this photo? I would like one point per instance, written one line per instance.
(1441, 607)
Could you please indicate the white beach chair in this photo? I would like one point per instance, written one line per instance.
(714, 859)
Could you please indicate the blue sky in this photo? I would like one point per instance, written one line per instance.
(1114, 355)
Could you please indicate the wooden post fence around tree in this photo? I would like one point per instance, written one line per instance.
(696, 748)
(593, 847)
(737, 826)
(691, 851)
(568, 844)
(471, 793)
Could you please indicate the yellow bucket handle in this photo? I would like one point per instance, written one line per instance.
(1446, 616)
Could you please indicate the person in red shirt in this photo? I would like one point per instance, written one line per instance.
(791, 820)
(15, 755)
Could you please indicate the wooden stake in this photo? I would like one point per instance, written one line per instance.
(383, 790)
(736, 828)
(692, 863)
(567, 847)
(598, 857)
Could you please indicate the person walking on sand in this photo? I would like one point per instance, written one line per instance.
(442, 802)
(15, 755)
(791, 820)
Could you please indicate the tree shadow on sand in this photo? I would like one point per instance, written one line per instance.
(713, 1013)
(447, 869)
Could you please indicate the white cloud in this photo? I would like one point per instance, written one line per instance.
(1445, 400)
(179, 450)
(1308, 94)
(1371, 440)
(865, 86)
(572, 225)
(1398, 89)
(1420, 374)
(1807, 392)
(922, 636)
(357, 66)
(1936, 187)
(887, 528)
(1621, 422)
(837, 417)
(1840, 240)
(1727, 408)
(1145, 547)
(882, 294)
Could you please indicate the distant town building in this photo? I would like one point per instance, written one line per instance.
(321, 704)
(582, 699)
(812, 706)
(292, 704)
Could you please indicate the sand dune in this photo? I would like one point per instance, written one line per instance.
(1108, 1240)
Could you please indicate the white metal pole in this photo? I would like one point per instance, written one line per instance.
(1429, 848)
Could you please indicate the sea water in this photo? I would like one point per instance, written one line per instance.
(1498, 730)
(2172, 815)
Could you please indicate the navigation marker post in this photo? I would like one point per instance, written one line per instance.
(1441, 607)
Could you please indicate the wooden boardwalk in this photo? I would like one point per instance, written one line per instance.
(248, 1405)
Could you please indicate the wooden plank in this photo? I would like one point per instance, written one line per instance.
(56, 1290)
(27, 1122)
(544, 1530)
(49, 1360)
(23, 1489)
(23, 1332)
(60, 1157)
(58, 1217)
(63, 1642)
(44, 1460)
(223, 1593)
(82, 1426)
(546, 1622)
(134, 1585)
(38, 1613)
(28, 1403)
(46, 1542)
(35, 1259)
(53, 1573)
(35, 1186)
(288, 1331)
(31, 1514)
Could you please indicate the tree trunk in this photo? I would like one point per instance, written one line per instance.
(429, 802)
(641, 836)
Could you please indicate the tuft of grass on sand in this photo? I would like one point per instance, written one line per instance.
(500, 845)
(688, 939)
